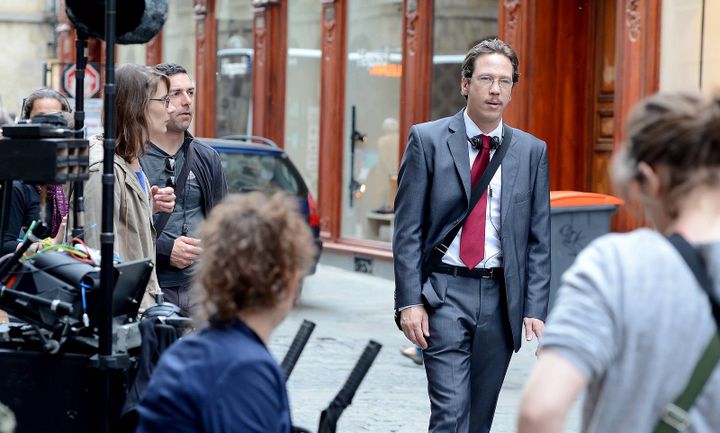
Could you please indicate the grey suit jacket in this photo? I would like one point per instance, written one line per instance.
(433, 195)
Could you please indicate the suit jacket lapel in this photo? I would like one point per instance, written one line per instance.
(510, 167)
(457, 143)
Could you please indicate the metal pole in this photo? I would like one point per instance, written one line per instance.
(6, 205)
(78, 229)
(106, 236)
(352, 156)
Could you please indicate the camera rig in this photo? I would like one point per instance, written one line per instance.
(46, 151)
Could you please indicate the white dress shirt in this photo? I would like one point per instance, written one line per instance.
(493, 248)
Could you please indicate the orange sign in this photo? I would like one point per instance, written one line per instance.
(387, 70)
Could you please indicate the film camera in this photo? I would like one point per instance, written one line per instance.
(69, 391)
(49, 351)
(57, 284)
(56, 289)
(43, 151)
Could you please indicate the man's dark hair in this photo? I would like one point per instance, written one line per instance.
(170, 69)
(490, 46)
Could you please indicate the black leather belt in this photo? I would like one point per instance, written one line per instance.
(457, 271)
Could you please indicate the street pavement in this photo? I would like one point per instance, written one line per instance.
(350, 309)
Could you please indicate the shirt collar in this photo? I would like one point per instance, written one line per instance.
(187, 137)
(471, 129)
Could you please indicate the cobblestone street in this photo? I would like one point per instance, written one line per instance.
(350, 309)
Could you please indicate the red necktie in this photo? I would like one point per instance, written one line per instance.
(472, 239)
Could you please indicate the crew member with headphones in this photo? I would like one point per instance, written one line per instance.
(44, 101)
(27, 199)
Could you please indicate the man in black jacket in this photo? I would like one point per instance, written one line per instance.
(197, 190)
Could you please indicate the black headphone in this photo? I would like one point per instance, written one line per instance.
(494, 143)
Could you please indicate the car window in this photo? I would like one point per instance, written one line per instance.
(248, 172)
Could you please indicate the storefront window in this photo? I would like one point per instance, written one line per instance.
(234, 67)
(458, 26)
(302, 109)
(690, 45)
(372, 98)
(178, 42)
(179, 35)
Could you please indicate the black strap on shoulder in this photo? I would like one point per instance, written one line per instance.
(696, 265)
(439, 251)
(179, 188)
(675, 416)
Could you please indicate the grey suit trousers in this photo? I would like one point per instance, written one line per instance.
(468, 353)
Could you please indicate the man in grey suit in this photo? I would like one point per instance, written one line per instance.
(465, 306)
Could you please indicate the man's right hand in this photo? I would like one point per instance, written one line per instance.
(184, 252)
(415, 325)
(163, 199)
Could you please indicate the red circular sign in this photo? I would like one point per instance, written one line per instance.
(92, 81)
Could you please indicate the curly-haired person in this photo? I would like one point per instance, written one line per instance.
(256, 250)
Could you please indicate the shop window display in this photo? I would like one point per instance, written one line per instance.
(233, 92)
(372, 98)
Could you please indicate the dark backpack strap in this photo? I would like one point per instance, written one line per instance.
(440, 249)
(179, 188)
(675, 417)
(696, 265)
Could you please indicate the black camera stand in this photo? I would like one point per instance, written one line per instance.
(69, 392)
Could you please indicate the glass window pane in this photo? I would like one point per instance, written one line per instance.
(179, 38)
(372, 99)
(179, 35)
(233, 93)
(458, 26)
(302, 103)
(259, 172)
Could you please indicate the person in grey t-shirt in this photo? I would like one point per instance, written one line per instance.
(178, 246)
(631, 321)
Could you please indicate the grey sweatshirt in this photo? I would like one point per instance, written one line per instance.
(632, 317)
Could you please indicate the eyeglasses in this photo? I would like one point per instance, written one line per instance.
(488, 80)
(165, 100)
(170, 168)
